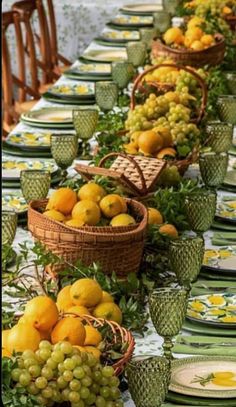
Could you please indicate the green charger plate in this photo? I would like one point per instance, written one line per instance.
(126, 27)
(230, 179)
(18, 152)
(106, 43)
(223, 226)
(205, 273)
(80, 77)
(141, 9)
(207, 330)
(199, 401)
(64, 101)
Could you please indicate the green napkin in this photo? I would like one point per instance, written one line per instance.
(205, 345)
(201, 287)
(224, 238)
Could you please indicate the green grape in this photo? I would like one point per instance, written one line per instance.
(32, 389)
(47, 393)
(38, 357)
(84, 392)
(29, 362)
(62, 383)
(41, 382)
(67, 375)
(95, 388)
(57, 356)
(56, 396)
(65, 394)
(45, 345)
(107, 371)
(15, 374)
(61, 368)
(91, 360)
(74, 397)
(119, 403)
(114, 393)
(78, 372)
(75, 384)
(86, 381)
(35, 370)
(109, 404)
(47, 372)
(77, 359)
(69, 364)
(20, 363)
(51, 363)
(66, 348)
(100, 401)
(41, 400)
(84, 356)
(45, 353)
(91, 399)
(104, 381)
(114, 381)
(79, 404)
(53, 384)
(24, 379)
(87, 369)
(28, 354)
(105, 392)
(97, 376)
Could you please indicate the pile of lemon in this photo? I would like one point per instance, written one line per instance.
(44, 319)
(193, 38)
(89, 207)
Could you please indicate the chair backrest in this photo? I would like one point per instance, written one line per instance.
(53, 33)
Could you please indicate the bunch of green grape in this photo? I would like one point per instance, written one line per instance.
(186, 136)
(214, 7)
(61, 373)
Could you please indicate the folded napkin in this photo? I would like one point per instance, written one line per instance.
(223, 238)
(201, 287)
(205, 345)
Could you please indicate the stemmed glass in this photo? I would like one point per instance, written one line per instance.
(122, 72)
(136, 53)
(9, 225)
(146, 36)
(213, 168)
(226, 105)
(200, 209)
(161, 21)
(168, 307)
(186, 257)
(219, 136)
(64, 149)
(85, 123)
(35, 184)
(148, 380)
(106, 95)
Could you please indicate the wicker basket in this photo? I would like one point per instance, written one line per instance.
(116, 249)
(120, 334)
(231, 20)
(212, 56)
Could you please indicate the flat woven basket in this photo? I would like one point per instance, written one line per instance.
(116, 249)
(212, 56)
(136, 173)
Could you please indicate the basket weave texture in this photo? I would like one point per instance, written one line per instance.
(212, 56)
(116, 249)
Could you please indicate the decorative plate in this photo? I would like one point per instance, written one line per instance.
(226, 209)
(120, 36)
(203, 376)
(223, 259)
(64, 100)
(20, 152)
(29, 140)
(138, 21)
(11, 168)
(106, 55)
(205, 273)
(230, 178)
(14, 201)
(214, 309)
(82, 90)
(198, 328)
(52, 117)
(141, 9)
(88, 70)
(188, 401)
(223, 226)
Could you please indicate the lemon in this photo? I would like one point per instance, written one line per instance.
(172, 35)
(69, 329)
(92, 192)
(108, 310)
(112, 205)
(22, 337)
(195, 22)
(197, 45)
(106, 297)
(87, 211)
(86, 292)
(91, 349)
(131, 148)
(134, 138)
(55, 215)
(75, 223)
(123, 219)
(63, 200)
(79, 310)
(5, 334)
(63, 299)
(207, 39)
(93, 336)
(168, 151)
(5, 353)
(169, 230)
(42, 311)
(150, 142)
(154, 217)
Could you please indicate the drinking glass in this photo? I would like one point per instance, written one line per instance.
(136, 52)
(171, 6)
(200, 209)
(148, 380)
(106, 94)
(122, 73)
(231, 82)
(9, 225)
(161, 20)
(186, 257)
(146, 36)
(85, 123)
(213, 168)
(219, 136)
(226, 105)
(168, 308)
(35, 184)
(64, 149)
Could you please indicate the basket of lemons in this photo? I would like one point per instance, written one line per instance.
(91, 226)
(191, 45)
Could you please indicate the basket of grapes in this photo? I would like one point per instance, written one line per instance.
(164, 124)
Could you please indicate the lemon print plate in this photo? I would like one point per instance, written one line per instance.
(89, 71)
(80, 93)
(29, 140)
(141, 9)
(201, 376)
(226, 210)
(214, 309)
(11, 169)
(14, 201)
(132, 20)
(222, 260)
(57, 118)
(120, 36)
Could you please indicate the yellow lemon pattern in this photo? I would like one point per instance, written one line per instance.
(215, 308)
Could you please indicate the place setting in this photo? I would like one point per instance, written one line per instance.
(89, 72)
(79, 94)
(117, 38)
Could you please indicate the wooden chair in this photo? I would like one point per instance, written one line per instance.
(15, 102)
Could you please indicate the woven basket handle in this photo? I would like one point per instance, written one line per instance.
(135, 164)
(190, 70)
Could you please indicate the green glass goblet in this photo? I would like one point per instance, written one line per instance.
(213, 168)
(35, 184)
(9, 225)
(146, 36)
(122, 72)
(136, 53)
(64, 149)
(85, 123)
(171, 6)
(219, 136)
(168, 308)
(148, 380)
(231, 82)
(106, 95)
(161, 20)
(226, 105)
(200, 209)
(186, 257)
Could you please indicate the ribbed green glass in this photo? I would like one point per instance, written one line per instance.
(231, 82)
(170, 6)
(146, 36)
(226, 105)
(148, 380)
(85, 122)
(167, 310)
(219, 136)
(9, 225)
(136, 53)
(35, 184)
(161, 20)
(106, 94)
(122, 73)
(186, 257)
(64, 149)
(200, 210)
(213, 168)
